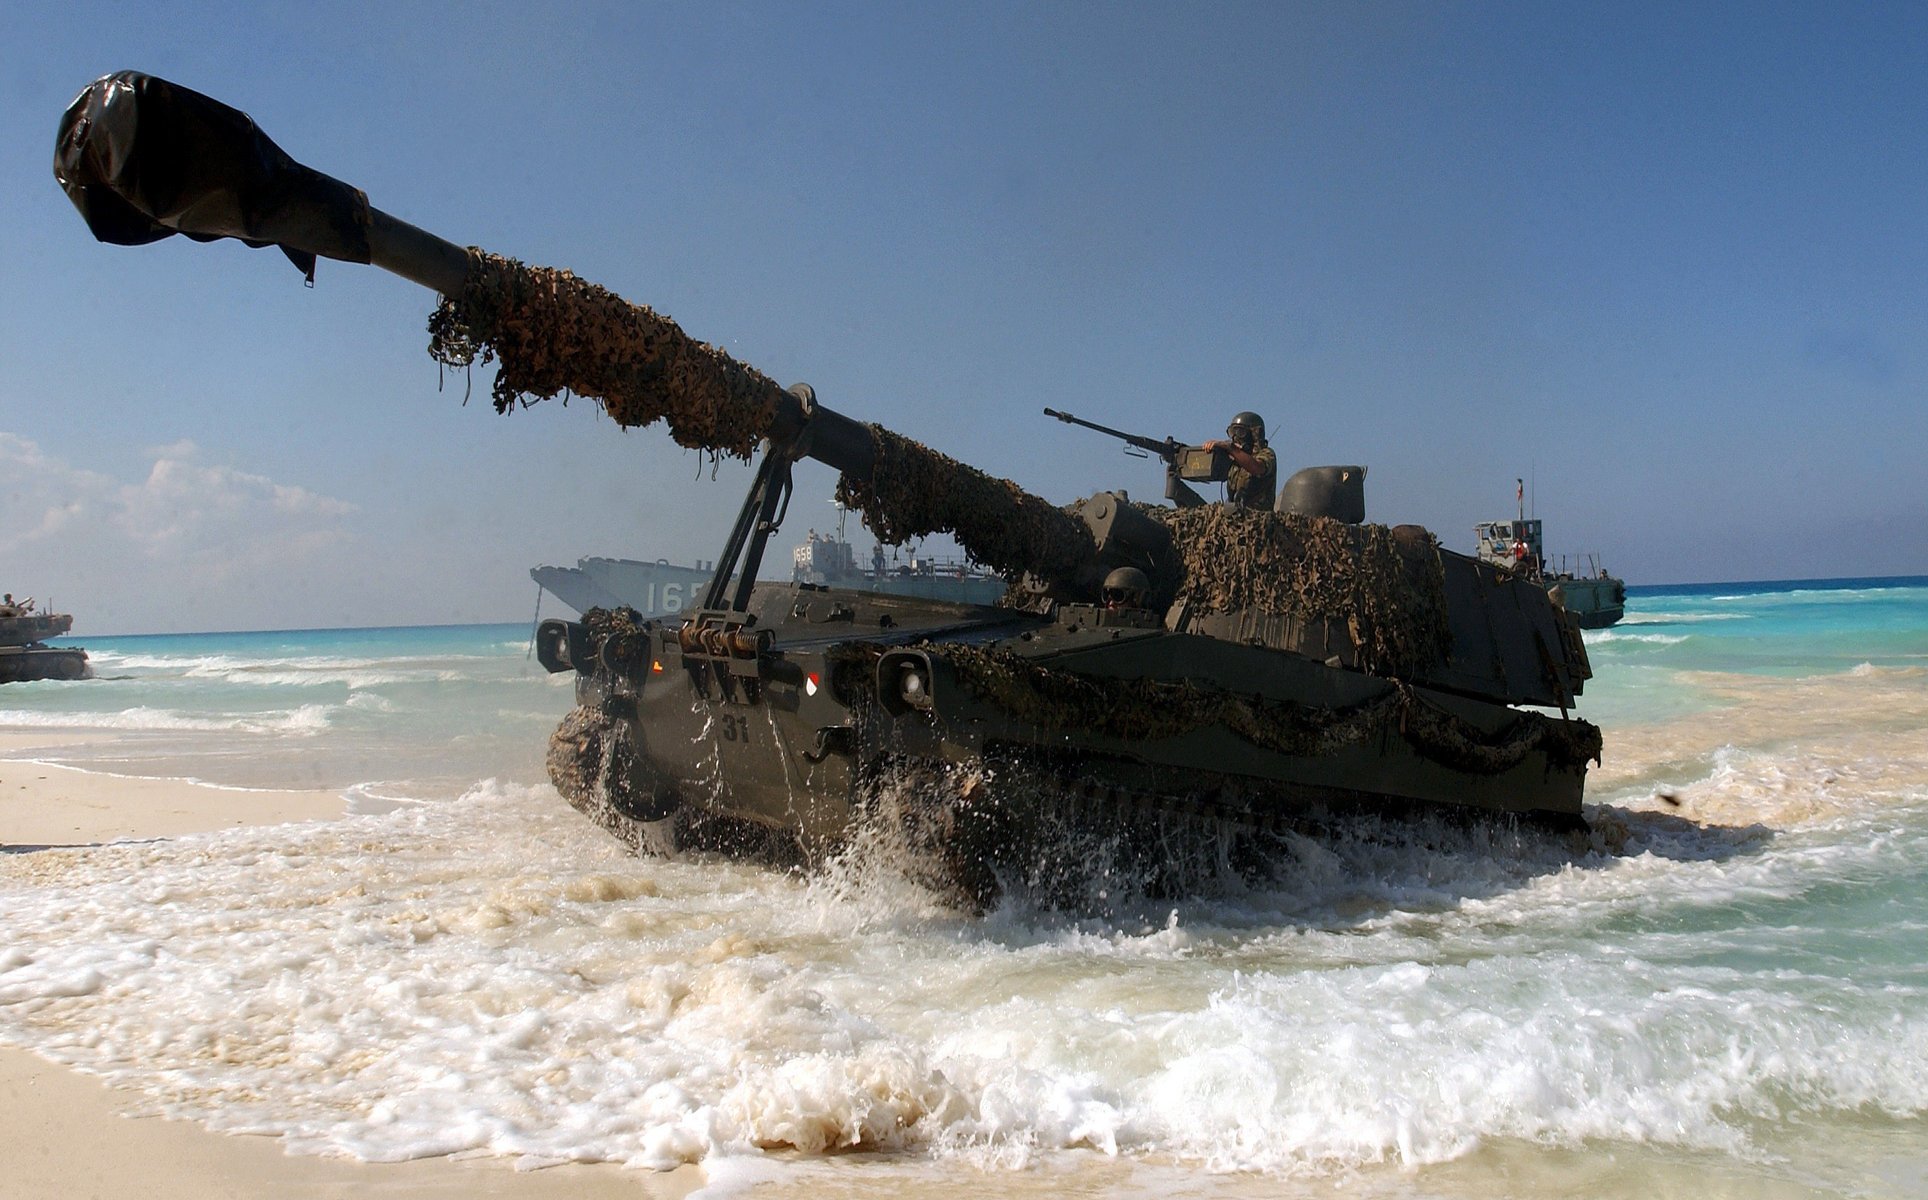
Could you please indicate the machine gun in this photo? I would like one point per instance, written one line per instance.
(1182, 462)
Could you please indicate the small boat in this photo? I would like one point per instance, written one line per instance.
(1578, 583)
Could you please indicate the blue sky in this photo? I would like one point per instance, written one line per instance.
(1665, 261)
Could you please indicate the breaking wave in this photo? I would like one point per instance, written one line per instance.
(1681, 618)
(1602, 636)
(308, 718)
(285, 672)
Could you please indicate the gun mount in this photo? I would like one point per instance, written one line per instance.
(1272, 665)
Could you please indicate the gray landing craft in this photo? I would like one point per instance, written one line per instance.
(1181, 681)
(664, 589)
(653, 589)
(24, 653)
(1578, 583)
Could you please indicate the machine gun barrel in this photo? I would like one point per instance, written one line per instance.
(144, 159)
(1182, 462)
(1165, 448)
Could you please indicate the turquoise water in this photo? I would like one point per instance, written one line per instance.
(1723, 993)
(416, 712)
(1643, 665)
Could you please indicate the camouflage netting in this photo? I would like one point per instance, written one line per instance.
(1153, 710)
(914, 491)
(591, 760)
(553, 333)
(1389, 593)
(621, 638)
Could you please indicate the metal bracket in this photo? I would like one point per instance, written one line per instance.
(721, 648)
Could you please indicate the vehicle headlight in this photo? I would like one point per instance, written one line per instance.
(914, 685)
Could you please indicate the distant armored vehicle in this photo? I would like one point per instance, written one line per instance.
(24, 653)
(1179, 682)
(1578, 584)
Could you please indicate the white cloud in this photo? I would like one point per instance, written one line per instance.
(184, 506)
(171, 540)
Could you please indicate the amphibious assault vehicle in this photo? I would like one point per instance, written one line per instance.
(1164, 674)
(24, 653)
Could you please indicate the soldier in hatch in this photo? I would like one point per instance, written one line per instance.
(1126, 588)
(1254, 480)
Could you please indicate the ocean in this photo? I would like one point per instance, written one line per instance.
(1723, 993)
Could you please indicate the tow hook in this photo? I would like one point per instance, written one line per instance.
(832, 739)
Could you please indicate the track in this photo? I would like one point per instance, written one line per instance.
(1069, 836)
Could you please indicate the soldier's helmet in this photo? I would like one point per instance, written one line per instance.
(1251, 425)
(1126, 587)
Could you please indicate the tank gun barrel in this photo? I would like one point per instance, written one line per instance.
(144, 159)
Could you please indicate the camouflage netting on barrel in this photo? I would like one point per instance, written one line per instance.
(1144, 710)
(554, 333)
(914, 491)
(1387, 591)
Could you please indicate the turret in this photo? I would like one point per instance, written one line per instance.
(20, 626)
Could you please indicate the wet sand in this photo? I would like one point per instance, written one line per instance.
(69, 1135)
(42, 805)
